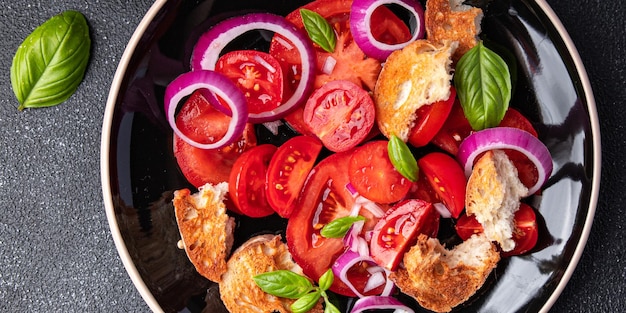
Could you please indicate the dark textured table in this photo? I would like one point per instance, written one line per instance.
(56, 252)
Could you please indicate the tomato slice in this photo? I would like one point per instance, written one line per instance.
(525, 233)
(288, 170)
(399, 228)
(341, 114)
(430, 119)
(257, 74)
(350, 62)
(447, 179)
(373, 175)
(246, 185)
(324, 199)
(200, 121)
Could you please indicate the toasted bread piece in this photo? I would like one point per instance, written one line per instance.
(260, 254)
(452, 20)
(205, 228)
(440, 279)
(417, 75)
(493, 195)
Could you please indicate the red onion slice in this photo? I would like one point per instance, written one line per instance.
(361, 27)
(212, 42)
(185, 84)
(350, 258)
(380, 303)
(507, 138)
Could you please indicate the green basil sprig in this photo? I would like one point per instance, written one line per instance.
(50, 64)
(338, 228)
(287, 284)
(402, 159)
(319, 30)
(483, 85)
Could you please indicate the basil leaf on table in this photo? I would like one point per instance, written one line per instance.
(483, 85)
(339, 227)
(284, 283)
(51, 62)
(402, 158)
(319, 30)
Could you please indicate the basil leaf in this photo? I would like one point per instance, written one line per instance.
(339, 227)
(326, 280)
(483, 85)
(50, 64)
(319, 30)
(306, 302)
(331, 308)
(402, 158)
(283, 283)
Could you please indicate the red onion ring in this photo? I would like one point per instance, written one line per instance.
(217, 83)
(379, 303)
(361, 27)
(212, 42)
(507, 138)
(350, 258)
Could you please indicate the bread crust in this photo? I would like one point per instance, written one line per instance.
(205, 228)
(417, 75)
(441, 279)
(258, 255)
(451, 20)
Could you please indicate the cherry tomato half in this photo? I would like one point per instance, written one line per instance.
(200, 121)
(430, 119)
(398, 229)
(257, 74)
(341, 114)
(525, 233)
(373, 175)
(287, 171)
(246, 185)
(447, 179)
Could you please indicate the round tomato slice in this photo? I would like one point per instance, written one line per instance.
(447, 179)
(398, 229)
(373, 175)
(324, 199)
(200, 121)
(341, 114)
(287, 171)
(246, 185)
(525, 233)
(347, 61)
(430, 119)
(257, 74)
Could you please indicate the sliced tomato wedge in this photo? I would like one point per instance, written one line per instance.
(257, 74)
(341, 114)
(373, 175)
(447, 178)
(525, 233)
(398, 229)
(246, 185)
(348, 60)
(324, 199)
(287, 171)
(200, 121)
(430, 119)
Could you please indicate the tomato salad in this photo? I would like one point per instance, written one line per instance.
(317, 78)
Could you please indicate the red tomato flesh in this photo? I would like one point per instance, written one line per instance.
(398, 230)
(287, 171)
(373, 175)
(430, 119)
(447, 179)
(200, 121)
(257, 74)
(246, 185)
(341, 114)
(324, 199)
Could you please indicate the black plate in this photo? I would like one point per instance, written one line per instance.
(139, 172)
